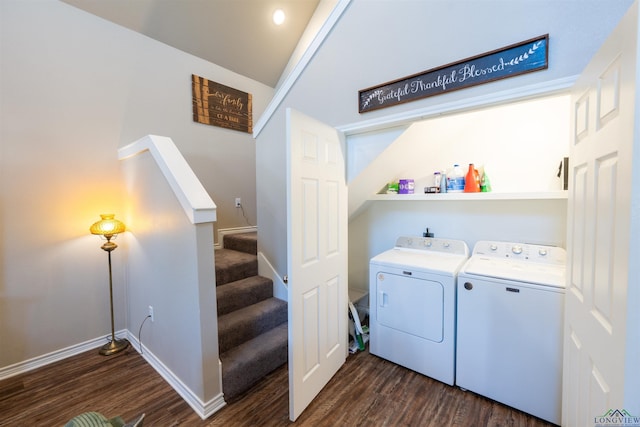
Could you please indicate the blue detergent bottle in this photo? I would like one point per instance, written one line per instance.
(455, 179)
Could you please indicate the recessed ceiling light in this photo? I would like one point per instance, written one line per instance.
(278, 16)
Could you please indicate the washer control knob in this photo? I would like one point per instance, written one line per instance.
(468, 286)
(516, 249)
(446, 244)
(428, 243)
(493, 247)
(542, 252)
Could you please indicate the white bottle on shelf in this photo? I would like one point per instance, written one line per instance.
(455, 179)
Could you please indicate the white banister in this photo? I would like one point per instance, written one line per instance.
(194, 199)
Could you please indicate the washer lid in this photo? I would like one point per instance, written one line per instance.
(516, 270)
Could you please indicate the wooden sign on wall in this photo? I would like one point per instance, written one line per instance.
(219, 105)
(525, 57)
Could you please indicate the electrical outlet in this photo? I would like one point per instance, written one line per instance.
(237, 202)
(151, 312)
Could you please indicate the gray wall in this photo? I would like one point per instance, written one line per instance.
(375, 42)
(73, 89)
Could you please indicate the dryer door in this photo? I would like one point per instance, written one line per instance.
(409, 304)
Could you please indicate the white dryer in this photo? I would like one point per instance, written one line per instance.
(510, 322)
(412, 293)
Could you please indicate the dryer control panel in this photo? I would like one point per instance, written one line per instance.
(457, 247)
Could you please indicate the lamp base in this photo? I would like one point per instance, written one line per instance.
(114, 347)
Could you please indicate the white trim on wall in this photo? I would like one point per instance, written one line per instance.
(203, 409)
(56, 356)
(265, 269)
(288, 83)
(234, 230)
(191, 194)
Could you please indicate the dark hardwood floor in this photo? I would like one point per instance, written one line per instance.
(367, 391)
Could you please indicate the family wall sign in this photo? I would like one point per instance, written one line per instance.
(510, 61)
(219, 105)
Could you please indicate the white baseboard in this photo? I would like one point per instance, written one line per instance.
(235, 230)
(265, 269)
(56, 356)
(203, 409)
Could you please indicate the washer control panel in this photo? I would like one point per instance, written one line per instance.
(520, 251)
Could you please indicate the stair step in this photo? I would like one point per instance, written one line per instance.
(233, 265)
(242, 293)
(247, 323)
(243, 242)
(244, 365)
(252, 324)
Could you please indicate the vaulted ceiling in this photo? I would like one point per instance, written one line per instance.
(238, 35)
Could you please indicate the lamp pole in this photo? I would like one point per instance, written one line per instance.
(115, 345)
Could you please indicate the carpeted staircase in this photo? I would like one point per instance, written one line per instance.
(252, 324)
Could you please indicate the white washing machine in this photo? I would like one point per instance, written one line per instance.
(412, 292)
(510, 322)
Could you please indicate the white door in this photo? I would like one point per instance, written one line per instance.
(601, 333)
(317, 257)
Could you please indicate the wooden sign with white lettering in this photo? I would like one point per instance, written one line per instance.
(525, 57)
(220, 105)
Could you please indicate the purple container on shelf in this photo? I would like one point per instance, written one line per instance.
(405, 186)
